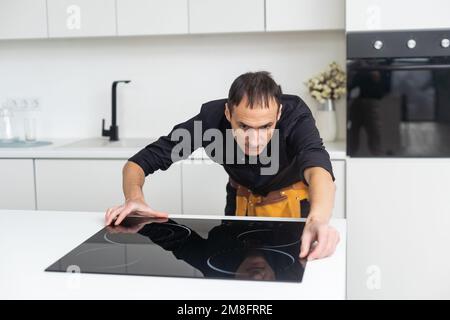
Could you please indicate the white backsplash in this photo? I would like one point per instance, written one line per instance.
(171, 76)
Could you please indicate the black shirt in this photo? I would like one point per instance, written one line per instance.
(300, 147)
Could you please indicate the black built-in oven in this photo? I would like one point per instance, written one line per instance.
(398, 98)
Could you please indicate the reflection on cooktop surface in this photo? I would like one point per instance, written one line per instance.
(197, 248)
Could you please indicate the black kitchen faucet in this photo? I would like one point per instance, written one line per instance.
(113, 132)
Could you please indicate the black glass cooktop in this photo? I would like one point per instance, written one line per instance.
(195, 248)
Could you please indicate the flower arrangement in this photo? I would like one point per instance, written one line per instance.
(329, 84)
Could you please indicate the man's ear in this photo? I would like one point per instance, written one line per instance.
(227, 112)
(279, 112)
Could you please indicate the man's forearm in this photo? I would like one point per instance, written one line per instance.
(321, 194)
(133, 180)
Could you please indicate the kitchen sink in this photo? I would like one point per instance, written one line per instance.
(131, 143)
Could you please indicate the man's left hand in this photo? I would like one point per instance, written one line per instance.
(319, 240)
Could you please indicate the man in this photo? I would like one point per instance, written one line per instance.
(277, 164)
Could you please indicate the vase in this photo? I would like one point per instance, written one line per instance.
(326, 121)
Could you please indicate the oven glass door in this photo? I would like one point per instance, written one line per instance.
(398, 107)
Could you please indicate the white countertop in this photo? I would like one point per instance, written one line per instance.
(58, 150)
(32, 240)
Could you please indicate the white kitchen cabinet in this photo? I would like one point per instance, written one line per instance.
(95, 185)
(398, 218)
(211, 16)
(385, 15)
(290, 15)
(23, 19)
(339, 202)
(162, 190)
(17, 184)
(204, 187)
(147, 17)
(81, 18)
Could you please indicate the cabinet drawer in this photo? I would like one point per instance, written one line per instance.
(17, 184)
(95, 185)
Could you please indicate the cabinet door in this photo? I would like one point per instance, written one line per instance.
(339, 174)
(162, 190)
(17, 184)
(204, 187)
(398, 217)
(95, 185)
(81, 18)
(289, 15)
(209, 16)
(23, 19)
(387, 15)
(146, 17)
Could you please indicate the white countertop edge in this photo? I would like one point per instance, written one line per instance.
(335, 149)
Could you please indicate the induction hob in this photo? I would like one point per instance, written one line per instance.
(195, 248)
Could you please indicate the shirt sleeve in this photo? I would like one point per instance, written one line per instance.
(308, 146)
(160, 154)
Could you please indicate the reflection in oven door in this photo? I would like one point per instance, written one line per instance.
(398, 103)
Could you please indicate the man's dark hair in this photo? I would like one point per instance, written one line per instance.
(259, 88)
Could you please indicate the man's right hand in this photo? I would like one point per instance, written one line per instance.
(139, 207)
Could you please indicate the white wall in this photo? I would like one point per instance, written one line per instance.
(171, 76)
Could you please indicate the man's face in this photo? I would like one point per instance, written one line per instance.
(253, 127)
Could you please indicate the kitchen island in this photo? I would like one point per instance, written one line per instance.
(32, 240)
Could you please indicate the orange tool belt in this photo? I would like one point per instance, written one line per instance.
(283, 203)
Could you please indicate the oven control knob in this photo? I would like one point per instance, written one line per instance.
(445, 43)
(378, 44)
(411, 43)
